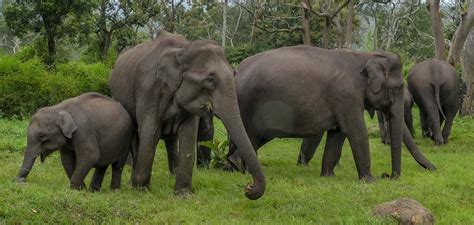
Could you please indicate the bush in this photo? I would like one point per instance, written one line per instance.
(237, 54)
(27, 86)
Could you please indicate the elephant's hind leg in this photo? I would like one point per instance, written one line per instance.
(117, 169)
(96, 182)
(332, 152)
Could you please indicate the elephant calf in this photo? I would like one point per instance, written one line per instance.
(90, 130)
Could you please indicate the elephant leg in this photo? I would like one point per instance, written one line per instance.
(96, 182)
(149, 135)
(187, 136)
(434, 119)
(409, 120)
(308, 148)
(117, 169)
(448, 125)
(82, 169)
(205, 133)
(425, 131)
(171, 144)
(332, 152)
(68, 159)
(382, 127)
(353, 126)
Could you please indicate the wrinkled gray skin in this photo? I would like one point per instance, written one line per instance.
(304, 91)
(166, 85)
(203, 156)
(436, 90)
(90, 130)
(383, 123)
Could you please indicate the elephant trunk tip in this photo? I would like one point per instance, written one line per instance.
(255, 191)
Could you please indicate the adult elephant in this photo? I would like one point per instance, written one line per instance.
(437, 92)
(166, 85)
(303, 91)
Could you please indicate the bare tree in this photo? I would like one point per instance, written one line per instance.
(467, 22)
(305, 21)
(224, 22)
(433, 7)
(329, 17)
(349, 22)
(467, 63)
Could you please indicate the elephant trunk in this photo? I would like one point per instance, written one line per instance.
(396, 134)
(226, 108)
(415, 152)
(28, 161)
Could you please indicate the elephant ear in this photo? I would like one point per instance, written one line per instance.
(66, 123)
(168, 69)
(376, 72)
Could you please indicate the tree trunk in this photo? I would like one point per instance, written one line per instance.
(305, 21)
(349, 21)
(375, 38)
(467, 63)
(460, 36)
(437, 25)
(224, 23)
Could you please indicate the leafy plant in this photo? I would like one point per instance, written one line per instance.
(218, 152)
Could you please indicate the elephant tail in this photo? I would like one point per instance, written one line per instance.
(436, 88)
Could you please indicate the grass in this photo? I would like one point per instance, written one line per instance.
(294, 194)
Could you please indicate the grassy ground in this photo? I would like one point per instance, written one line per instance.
(294, 194)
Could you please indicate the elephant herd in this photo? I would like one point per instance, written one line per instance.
(171, 88)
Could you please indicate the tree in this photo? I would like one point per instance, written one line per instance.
(433, 7)
(45, 18)
(328, 14)
(306, 9)
(467, 22)
(349, 23)
(467, 63)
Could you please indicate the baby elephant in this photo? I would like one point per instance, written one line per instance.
(90, 130)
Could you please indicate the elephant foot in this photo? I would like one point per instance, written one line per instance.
(141, 184)
(439, 142)
(393, 176)
(183, 192)
(94, 189)
(77, 186)
(367, 178)
(329, 173)
(20, 180)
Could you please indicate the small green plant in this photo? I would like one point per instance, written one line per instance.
(218, 152)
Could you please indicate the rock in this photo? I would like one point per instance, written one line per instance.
(405, 211)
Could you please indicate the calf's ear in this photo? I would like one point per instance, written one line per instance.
(66, 123)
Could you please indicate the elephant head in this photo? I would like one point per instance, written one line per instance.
(202, 80)
(48, 131)
(385, 92)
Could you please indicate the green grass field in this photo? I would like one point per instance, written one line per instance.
(294, 194)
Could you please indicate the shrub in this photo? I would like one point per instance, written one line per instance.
(27, 86)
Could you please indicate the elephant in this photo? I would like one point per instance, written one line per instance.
(437, 91)
(166, 85)
(90, 131)
(303, 91)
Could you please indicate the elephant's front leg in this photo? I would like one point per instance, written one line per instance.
(187, 137)
(352, 124)
(149, 132)
(171, 144)
(332, 152)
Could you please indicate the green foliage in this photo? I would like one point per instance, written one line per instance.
(27, 86)
(237, 54)
(219, 151)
